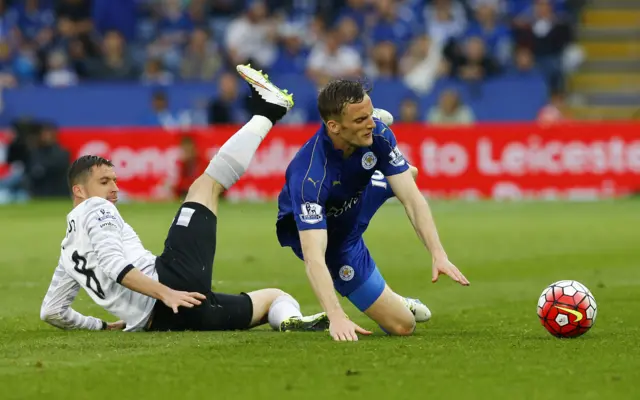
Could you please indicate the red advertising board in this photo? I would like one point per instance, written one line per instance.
(505, 161)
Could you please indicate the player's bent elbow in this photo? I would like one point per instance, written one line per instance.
(414, 171)
(48, 315)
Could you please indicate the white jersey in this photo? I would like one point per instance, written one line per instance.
(97, 251)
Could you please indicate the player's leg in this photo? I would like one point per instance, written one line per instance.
(268, 105)
(248, 310)
(187, 260)
(391, 313)
(282, 312)
(373, 297)
(224, 312)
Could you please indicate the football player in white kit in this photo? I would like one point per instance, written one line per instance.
(103, 255)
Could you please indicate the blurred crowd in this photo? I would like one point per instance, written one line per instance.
(64, 42)
(38, 163)
(60, 43)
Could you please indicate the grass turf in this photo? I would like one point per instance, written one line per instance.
(484, 341)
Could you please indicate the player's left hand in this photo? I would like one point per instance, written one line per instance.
(446, 267)
(116, 326)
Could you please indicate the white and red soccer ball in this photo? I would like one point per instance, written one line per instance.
(567, 309)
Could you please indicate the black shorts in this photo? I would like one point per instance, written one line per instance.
(186, 264)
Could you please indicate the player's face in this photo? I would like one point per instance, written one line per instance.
(356, 126)
(101, 183)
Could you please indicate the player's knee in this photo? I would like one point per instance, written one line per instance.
(405, 328)
(274, 293)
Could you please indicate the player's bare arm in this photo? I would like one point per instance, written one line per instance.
(414, 172)
(314, 246)
(139, 282)
(421, 218)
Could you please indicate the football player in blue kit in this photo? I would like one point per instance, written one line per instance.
(334, 185)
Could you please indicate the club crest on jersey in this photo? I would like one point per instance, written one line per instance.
(346, 273)
(397, 159)
(311, 213)
(369, 160)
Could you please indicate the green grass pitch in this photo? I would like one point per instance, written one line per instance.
(484, 341)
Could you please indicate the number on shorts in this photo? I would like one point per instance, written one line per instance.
(185, 216)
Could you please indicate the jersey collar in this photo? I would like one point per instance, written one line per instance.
(329, 147)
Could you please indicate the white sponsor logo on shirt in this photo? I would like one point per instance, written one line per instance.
(397, 159)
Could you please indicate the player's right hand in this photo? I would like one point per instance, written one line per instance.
(345, 330)
(174, 299)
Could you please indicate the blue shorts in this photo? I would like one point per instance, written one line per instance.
(355, 275)
(365, 295)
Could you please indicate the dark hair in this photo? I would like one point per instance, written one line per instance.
(334, 97)
(81, 167)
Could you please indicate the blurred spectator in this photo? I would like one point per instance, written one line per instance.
(74, 18)
(495, 34)
(79, 57)
(423, 64)
(350, 35)
(47, 164)
(115, 63)
(445, 19)
(409, 111)
(228, 107)
(523, 60)
(36, 22)
(13, 186)
(173, 31)
(391, 25)
(384, 61)
(201, 59)
(252, 37)
(549, 36)
(292, 55)
(331, 59)
(472, 63)
(7, 76)
(357, 10)
(190, 166)
(162, 115)
(198, 12)
(314, 31)
(10, 31)
(58, 72)
(450, 111)
(555, 111)
(25, 63)
(155, 74)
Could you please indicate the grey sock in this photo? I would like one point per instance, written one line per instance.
(225, 170)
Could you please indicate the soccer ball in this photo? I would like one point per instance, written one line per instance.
(567, 309)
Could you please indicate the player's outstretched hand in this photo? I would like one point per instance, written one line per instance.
(174, 299)
(345, 330)
(444, 266)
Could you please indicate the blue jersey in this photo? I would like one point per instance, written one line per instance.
(323, 190)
